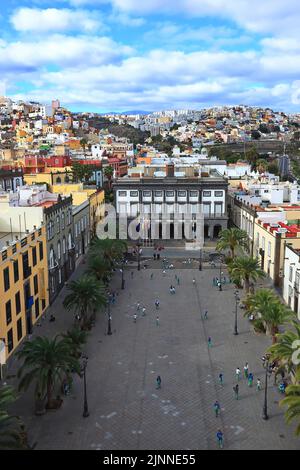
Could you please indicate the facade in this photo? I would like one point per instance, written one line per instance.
(82, 229)
(149, 195)
(97, 210)
(23, 285)
(291, 280)
(11, 180)
(269, 247)
(60, 244)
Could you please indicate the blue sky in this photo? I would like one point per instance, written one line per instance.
(116, 55)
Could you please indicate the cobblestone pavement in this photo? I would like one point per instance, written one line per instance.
(126, 409)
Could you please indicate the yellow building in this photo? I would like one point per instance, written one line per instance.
(269, 247)
(23, 285)
(97, 209)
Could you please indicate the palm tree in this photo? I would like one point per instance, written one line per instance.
(46, 361)
(284, 350)
(266, 305)
(77, 338)
(111, 250)
(246, 269)
(87, 294)
(99, 267)
(292, 401)
(9, 425)
(232, 238)
(108, 172)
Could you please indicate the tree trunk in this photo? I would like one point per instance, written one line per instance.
(247, 284)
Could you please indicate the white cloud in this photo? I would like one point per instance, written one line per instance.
(47, 20)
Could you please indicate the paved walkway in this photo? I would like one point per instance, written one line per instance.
(126, 410)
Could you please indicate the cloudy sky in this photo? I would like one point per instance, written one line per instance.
(117, 55)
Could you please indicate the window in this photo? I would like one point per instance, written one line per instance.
(8, 312)
(70, 243)
(19, 329)
(218, 193)
(10, 340)
(69, 216)
(291, 274)
(169, 193)
(263, 243)
(36, 284)
(37, 308)
(63, 220)
(181, 193)
(218, 208)
(51, 259)
(57, 224)
(269, 249)
(64, 246)
(59, 250)
(206, 193)
(43, 304)
(16, 270)
(147, 193)
(41, 249)
(59, 276)
(194, 193)
(6, 279)
(34, 259)
(18, 303)
(158, 193)
(297, 281)
(206, 208)
(124, 193)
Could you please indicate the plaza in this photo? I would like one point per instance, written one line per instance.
(126, 411)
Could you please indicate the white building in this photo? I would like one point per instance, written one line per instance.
(291, 280)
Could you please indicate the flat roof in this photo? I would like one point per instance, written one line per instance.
(9, 237)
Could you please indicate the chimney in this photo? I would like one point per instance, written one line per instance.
(170, 170)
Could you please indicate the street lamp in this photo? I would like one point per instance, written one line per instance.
(237, 299)
(109, 332)
(200, 260)
(85, 403)
(268, 369)
(139, 255)
(122, 272)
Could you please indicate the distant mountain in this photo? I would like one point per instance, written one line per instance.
(135, 112)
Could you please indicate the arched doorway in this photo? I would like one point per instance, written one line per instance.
(206, 231)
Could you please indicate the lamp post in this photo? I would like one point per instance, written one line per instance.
(220, 279)
(109, 332)
(85, 403)
(200, 260)
(122, 272)
(237, 299)
(268, 370)
(139, 255)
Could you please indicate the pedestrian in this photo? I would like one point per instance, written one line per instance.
(157, 304)
(217, 408)
(220, 438)
(206, 315)
(138, 306)
(144, 312)
(258, 385)
(238, 373)
(52, 318)
(176, 277)
(246, 370)
(221, 379)
(164, 273)
(220, 286)
(157, 320)
(158, 382)
(151, 277)
(154, 256)
(214, 282)
(131, 274)
(194, 281)
(236, 391)
(250, 379)
(134, 318)
(178, 281)
(173, 290)
(209, 342)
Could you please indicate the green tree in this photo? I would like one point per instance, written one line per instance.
(266, 305)
(109, 172)
(283, 351)
(83, 143)
(273, 169)
(231, 239)
(46, 361)
(9, 425)
(261, 166)
(111, 250)
(86, 295)
(99, 267)
(292, 402)
(81, 172)
(77, 339)
(247, 269)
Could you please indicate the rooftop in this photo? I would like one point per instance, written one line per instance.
(9, 237)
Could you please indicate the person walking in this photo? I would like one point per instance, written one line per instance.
(138, 306)
(217, 408)
(236, 391)
(214, 282)
(178, 281)
(134, 318)
(246, 370)
(157, 304)
(206, 315)
(158, 382)
(164, 273)
(194, 281)
(209, 342)
(220, 439)
(151, 277)
(131, 274)
(238, 373)
(258, 385)
(221, 379)
(157, 320)
(144, 311)
(250, 379)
